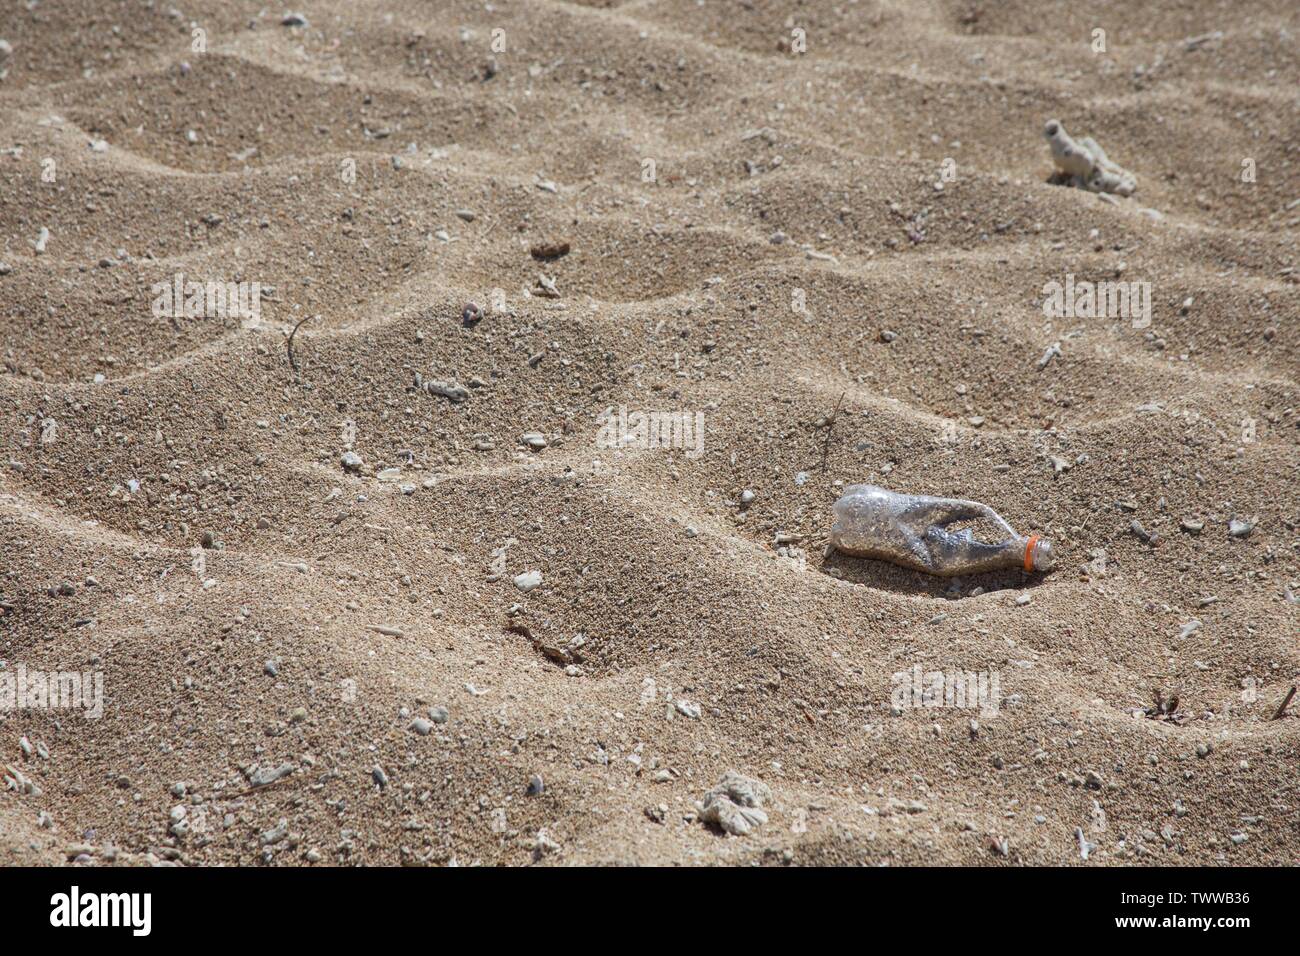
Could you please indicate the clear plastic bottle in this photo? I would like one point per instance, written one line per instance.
(911, 530)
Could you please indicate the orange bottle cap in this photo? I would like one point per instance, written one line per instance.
(1029, 553)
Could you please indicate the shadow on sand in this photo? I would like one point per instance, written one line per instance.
(890, 577)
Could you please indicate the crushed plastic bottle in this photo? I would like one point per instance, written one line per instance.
(911, 530)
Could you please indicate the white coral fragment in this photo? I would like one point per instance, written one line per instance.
(1084, 164)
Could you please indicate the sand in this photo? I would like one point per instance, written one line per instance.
(756, 236)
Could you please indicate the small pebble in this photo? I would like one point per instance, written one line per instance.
(528, 581)
(265, 775)
(1141, 533)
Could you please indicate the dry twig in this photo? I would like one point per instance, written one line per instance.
(1286, 702)
(293, 362)
(830, 424)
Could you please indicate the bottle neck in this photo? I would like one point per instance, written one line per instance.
(956, 554)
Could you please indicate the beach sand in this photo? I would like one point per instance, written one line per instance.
(832, 262)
